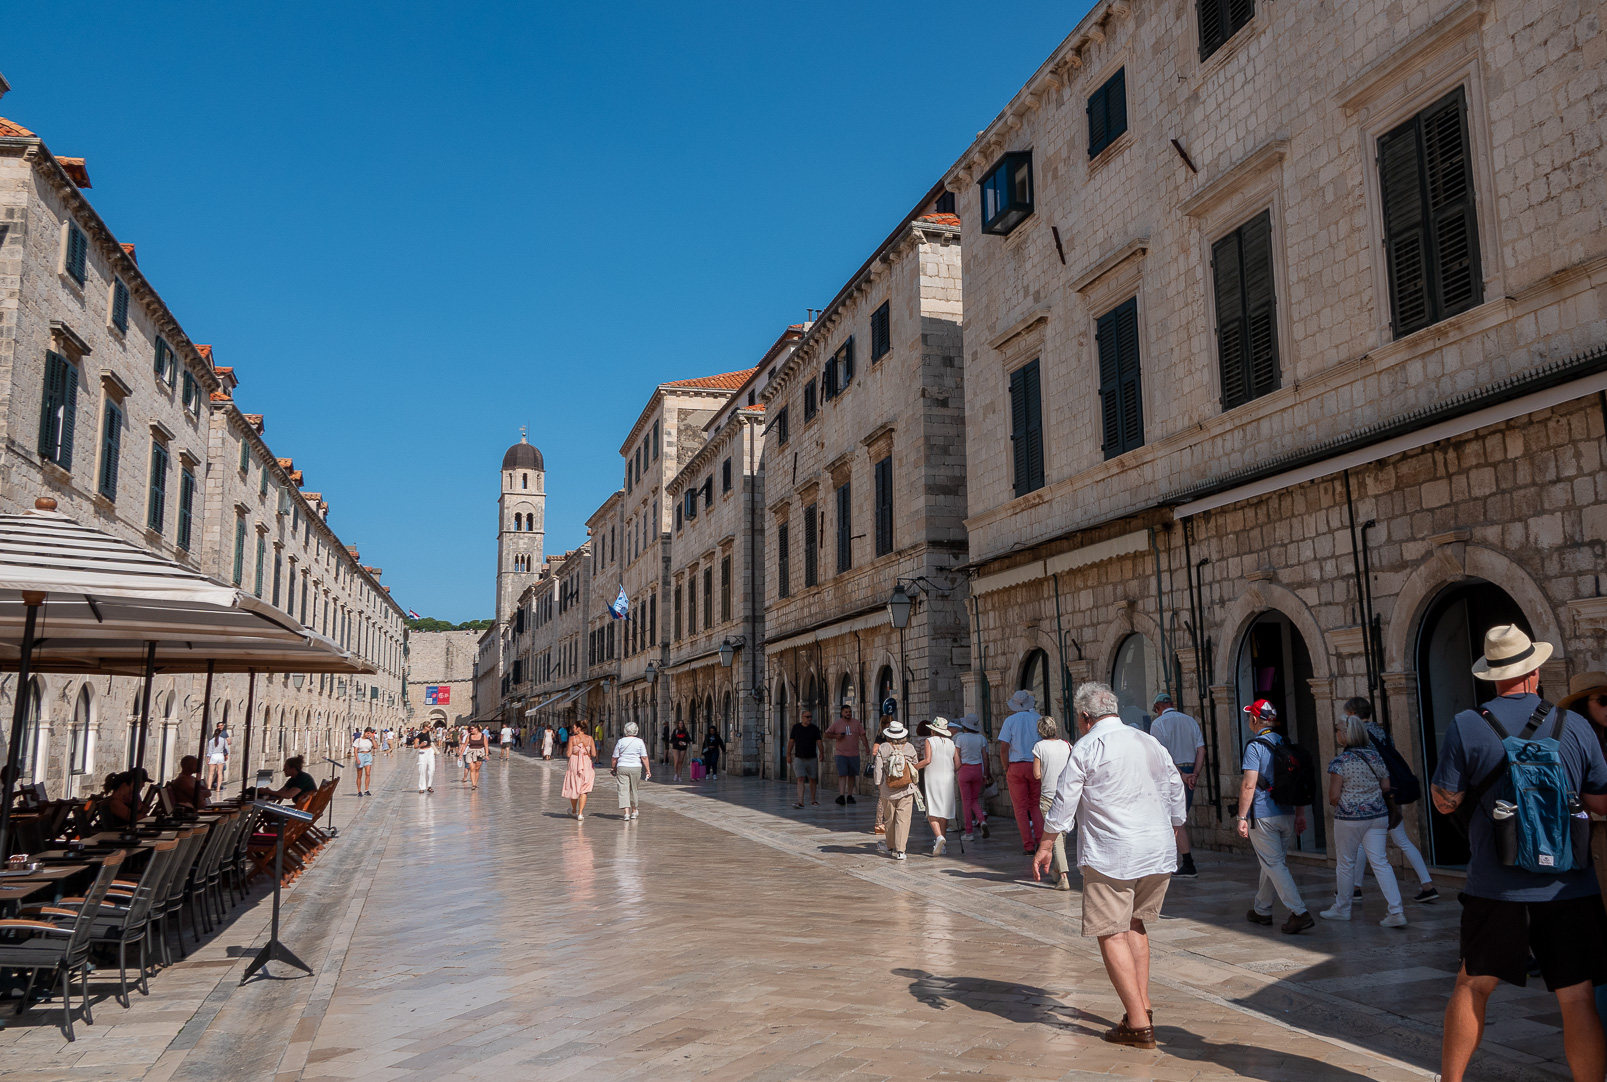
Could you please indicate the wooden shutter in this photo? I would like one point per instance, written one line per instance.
(845, 529)
(1227, 270)
(1096, 122)
(110, 448)
(69, 414)
(1211, 36)
(1454, 227)
(49, 409)
(848, 361)
(1026, 429)
(884, 506)
(811, 545)
(783, 562)
(1400, 177)
(1120, 387)
(708, 597)
(1247, 343)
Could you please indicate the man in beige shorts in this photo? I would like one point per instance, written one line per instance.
(1124, 796)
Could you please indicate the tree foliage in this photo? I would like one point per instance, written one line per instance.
(430, 623)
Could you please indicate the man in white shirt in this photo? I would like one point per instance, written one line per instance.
(1124, 795)
(507, 739)
(1016, 737)
(1180, 735)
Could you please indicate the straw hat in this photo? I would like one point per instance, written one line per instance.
(1509, 654)
(940, 727)
(895, 731)
(1023, 700)
(1580, 687)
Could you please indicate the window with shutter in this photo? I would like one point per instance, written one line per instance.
(884, 506)
(156, 502)
(828, 380)
(278, 572)
(1007, 193)
(881, 332)
(708, 598)
(781, 427)
(725, 476)
(1026, 429)
(186, 508)
(811, 518)
(111, 446)
(1246, 319)
(677, 608)
(77, 265)
(809, 401)
(783, 561)
(240, 553)
(1430, 224)
(1120, 388)
(944, 204)
(1220, 20)
(1107, 113)
(845, 529)
(845, 362)
(119, 305)
(262, 552)
(725, 588)
(708, 492)
(57, 411)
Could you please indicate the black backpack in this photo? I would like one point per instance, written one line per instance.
(1403, 784)
(1294, 774)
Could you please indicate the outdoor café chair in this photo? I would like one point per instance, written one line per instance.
(60, 946)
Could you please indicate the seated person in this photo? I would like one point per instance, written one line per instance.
(187, 790)
(299, 785)
(122, 807)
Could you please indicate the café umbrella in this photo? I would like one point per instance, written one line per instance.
(74, 599)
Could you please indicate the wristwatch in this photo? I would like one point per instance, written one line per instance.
(1244, 818)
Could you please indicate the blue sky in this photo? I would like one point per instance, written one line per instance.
(413, 227)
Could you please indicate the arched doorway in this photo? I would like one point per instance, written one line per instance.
(1449, 641)
(811, 700)
(78, 759)
(1135, 677)
(1035, 678)
(1274, 664)
(783, 730)
(845, 692)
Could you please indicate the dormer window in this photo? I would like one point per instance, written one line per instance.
(1007, 193)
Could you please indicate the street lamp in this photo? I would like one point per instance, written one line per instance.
(651, 673)
(727, 652)
(898, 607)
(298, 680)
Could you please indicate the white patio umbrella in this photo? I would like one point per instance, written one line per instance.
(74, 599)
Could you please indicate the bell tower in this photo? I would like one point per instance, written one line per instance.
(521, 524)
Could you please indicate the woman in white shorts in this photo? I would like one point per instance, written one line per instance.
(217, 759)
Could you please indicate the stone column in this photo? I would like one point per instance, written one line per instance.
(1406, 729)
(1322, 690)
(1224, 699)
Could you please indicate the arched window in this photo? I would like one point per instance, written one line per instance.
(1135, 677)
(32, 711)
(845, 692)
(1035, 678)
(811, 700)
(524, 480)
(78, 747)
(708, 712)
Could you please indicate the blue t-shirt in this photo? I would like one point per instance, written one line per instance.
(1471, 752)
(1257, 757)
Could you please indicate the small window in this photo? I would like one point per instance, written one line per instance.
(944, 204)
(708, 492)
(809, 401)
(164, 363)
(1026, 429)
(1107, 113)
(811, 545)
(156, 504)
(884, 506)
(725, 476)
(58, 411)
(111, 445)
(1246, 320)
(828, 380)
(1007, 193)
(186, 508)
(77, 265)
(262, 481)
(1120, 389)
(690, 502)
(119, 305)
(783, 562)
(192, 392)
(655, 441)
(677, 517)
(844, 358)
(781, 427)
(1220, 20)
(881, 332)
(245, 455)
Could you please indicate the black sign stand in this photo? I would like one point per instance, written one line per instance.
(338, 765)
(274, 950)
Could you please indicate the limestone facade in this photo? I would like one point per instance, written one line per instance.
(1419, 456)
(143, 439)
(437, 661)
(549, 677)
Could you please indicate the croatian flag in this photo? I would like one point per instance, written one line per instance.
(414, 615)
(621, 606)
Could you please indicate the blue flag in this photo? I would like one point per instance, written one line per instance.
(621, 606)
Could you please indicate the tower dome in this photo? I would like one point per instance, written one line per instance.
(522, 456)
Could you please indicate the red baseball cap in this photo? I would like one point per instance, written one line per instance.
(1263, 709)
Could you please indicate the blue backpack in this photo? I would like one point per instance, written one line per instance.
(1535, 827)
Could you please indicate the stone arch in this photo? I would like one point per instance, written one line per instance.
(1241, 613)
(1129, 620)
(1447, 567)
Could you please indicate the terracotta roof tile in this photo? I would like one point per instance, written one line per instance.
(12, 128)
(129, 248)
(287, 464)
(76, 171)
(206, 355)
(726, 381)
(942, 219)
(221, 396)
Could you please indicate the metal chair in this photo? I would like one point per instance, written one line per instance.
(60, 946)
(173, 905)
(123, 918)
(160, 893)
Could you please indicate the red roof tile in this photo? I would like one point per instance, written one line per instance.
(206, 355)
(942, 219)
(11, 127)
(129, 248)
(75, 170)
(726, 381)
(221, 396)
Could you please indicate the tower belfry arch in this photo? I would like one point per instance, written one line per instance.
(521, 522)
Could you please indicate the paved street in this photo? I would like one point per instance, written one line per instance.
(725, 936)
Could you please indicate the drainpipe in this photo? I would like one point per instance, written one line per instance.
(1065, 670)
(1201, 666)
(1363, 613)
(1375, 629)
(1160, 610)
(980, 663)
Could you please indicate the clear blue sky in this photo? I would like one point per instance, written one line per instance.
(413, 227)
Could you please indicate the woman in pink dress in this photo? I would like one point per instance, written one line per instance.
(578, 775)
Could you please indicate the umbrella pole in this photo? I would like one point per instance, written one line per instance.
(206, 717)
(251, 705)
(145, 706)
(18, 717)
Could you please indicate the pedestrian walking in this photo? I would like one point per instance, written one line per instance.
(1358, 791)
(1587, 696)
(579, 774)
(546, 741)
(1016, 737)
(217, 758)
(680, 740)
(1049, 757)
(630, 769)
(363, 748)
(476, 750)
(974, 774)
(1181, 736)
(803, 749)
(898, 774)
(426, 761)
(1512, 911)
(1379, 740)
(713, 745)
(849, 741)
(939, 766)
(1270, 825)
(1123, 793)
(506, 739)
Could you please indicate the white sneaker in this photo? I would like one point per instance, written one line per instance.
(1333, 914)
(1394, 920)
(939, 846)
(898, 856)
(968, 837)
(580, 818)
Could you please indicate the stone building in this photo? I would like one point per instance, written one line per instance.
(865, 488)
(110, 408)
(550, 675)
(440, 677)
(714, 615)
(1293, 317)
(602, 627)
(521, 524)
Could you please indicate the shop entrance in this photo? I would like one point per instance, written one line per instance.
(1275, 665)
(1450, 641)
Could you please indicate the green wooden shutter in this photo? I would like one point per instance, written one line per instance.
(884, 506)
(1120, 385)
(1211, 36)
(1227, 271)
(811, 545)
(1400, 176)
(783, 562)
(1260, 306)
(50, 407)
(848, 361)
(1034, 426)
(1454, 228)
(1026, 429)
(239, 550)
(156, 503)
(1109, 384)
(845, 528)
(1131, 383)
(186, 508)
(111, 446)
(1096, 122)
(69, 414)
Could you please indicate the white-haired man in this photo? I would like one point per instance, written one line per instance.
(1181, 736)
(1124, 795)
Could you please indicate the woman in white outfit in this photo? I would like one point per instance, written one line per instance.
(1358, 783)
(1427, 891)
(217, 759)
(938, 767)
(426, 762)
(1049, 758)
(630, 768)
(546, 741)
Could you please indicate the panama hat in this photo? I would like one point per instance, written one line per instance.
(895, 731)
(1509, 654)
(940, 726)
(970, 723)
(1023, 700)
(1580, 685)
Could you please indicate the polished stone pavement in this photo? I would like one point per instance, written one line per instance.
(725, 935)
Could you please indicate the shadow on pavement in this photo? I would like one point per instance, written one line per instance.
(1268, 1064)
(1010, 1002)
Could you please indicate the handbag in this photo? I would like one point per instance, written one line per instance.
(900, 772)
(990, 791)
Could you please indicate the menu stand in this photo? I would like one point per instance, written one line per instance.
(274, 950)
(334, 832)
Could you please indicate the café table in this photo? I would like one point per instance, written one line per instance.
(14, 892)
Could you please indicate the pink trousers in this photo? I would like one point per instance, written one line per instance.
(1024, 793)
(971, 810)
